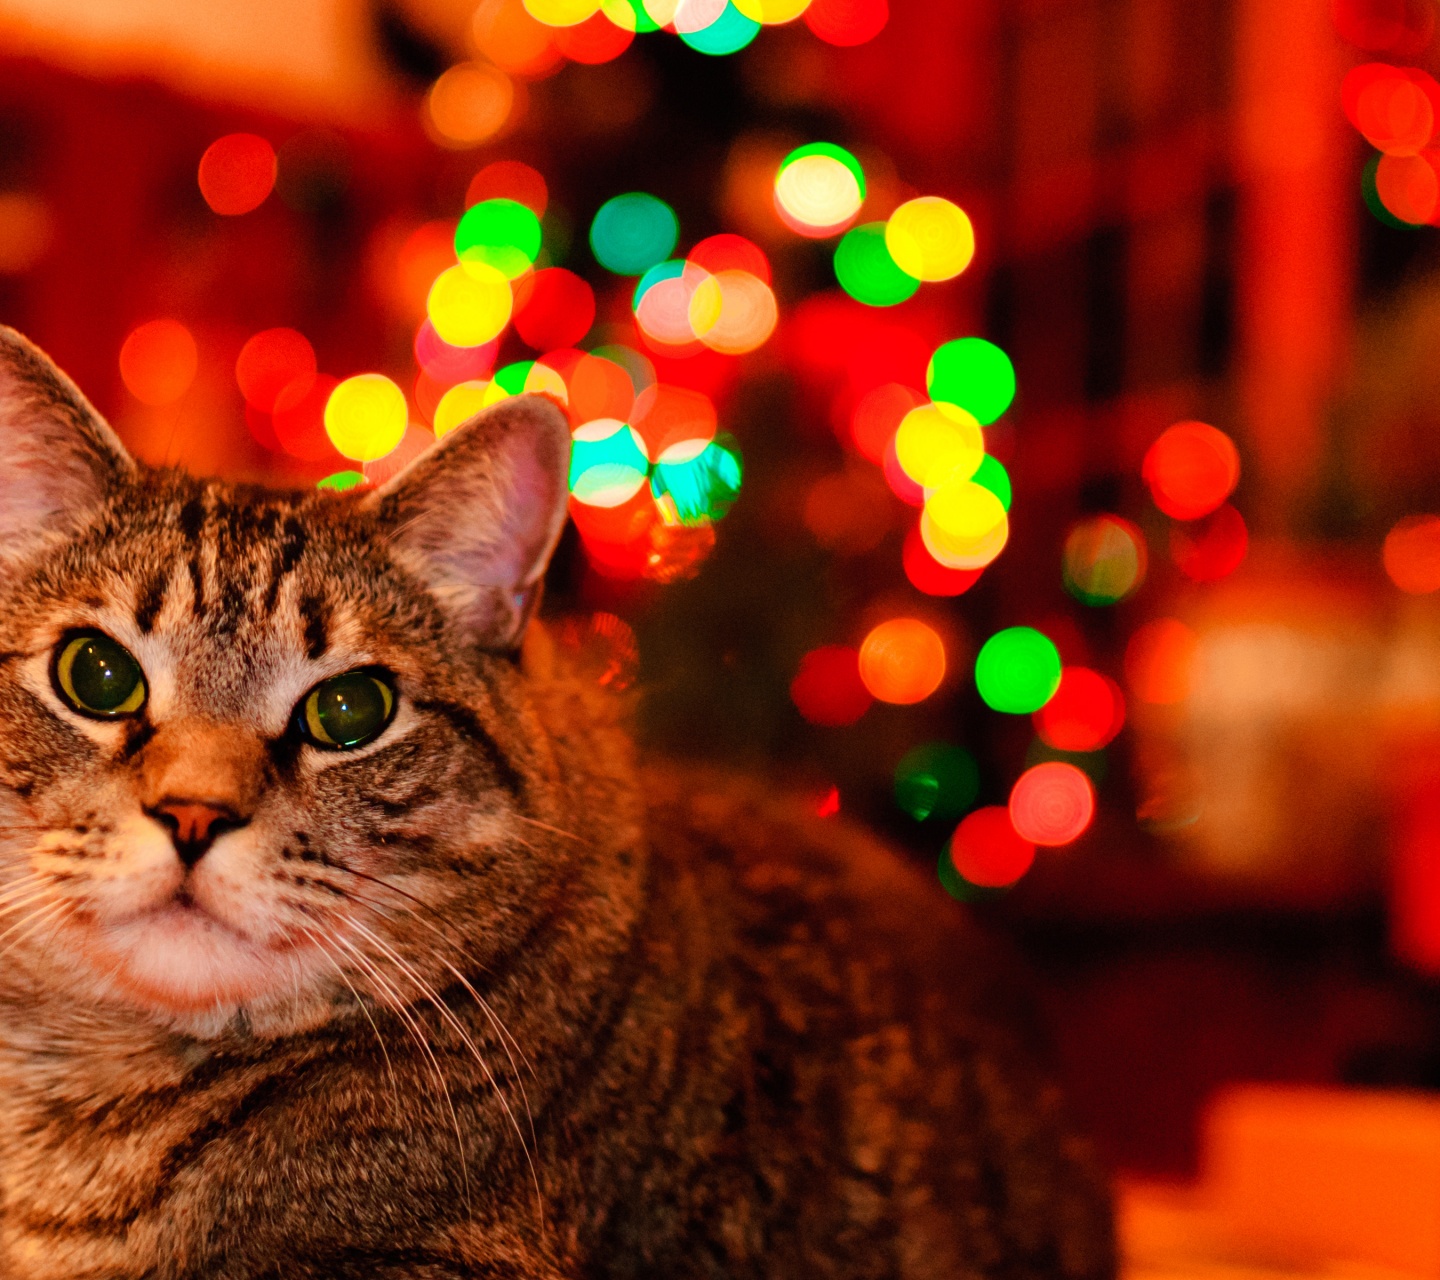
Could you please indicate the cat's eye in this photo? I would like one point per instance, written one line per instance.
(347, 710)
(98, 676)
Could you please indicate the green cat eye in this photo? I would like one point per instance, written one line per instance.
(98, 677)
(347, 710)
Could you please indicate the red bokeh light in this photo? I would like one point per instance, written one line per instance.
(1158, 661)
(593, 41)
(600, 388)
(901, 485)
(158, 362)
(299, 418)
(559, 310)
(930, 576)
(666, 416)
(877, 416)
(1412, 554)
(1052, 803)
(269, 362)
(448, 365)
(728, 252)
(847, 22)
(237, 172)
(828, 690)
(510, 180)
(1211, 548)
(987, 850)
(1191, 469)
(1087, 711)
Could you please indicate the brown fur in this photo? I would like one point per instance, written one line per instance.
(490, 999)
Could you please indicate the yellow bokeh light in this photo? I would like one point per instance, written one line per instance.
(620, 13)
(660, 12)
(462, 402)
(818, 191)
(964, 525)
(930, 238)
(772, 12)
(544, 379)
(366, 417)
(936, 443)
(470, 304)
(561, 13)
(470, 103)
(733, 312)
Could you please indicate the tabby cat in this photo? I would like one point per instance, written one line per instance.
(344, 935)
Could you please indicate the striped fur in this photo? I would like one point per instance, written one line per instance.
(483, 998)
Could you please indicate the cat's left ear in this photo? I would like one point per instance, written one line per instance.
(59, 461)
(477, 517)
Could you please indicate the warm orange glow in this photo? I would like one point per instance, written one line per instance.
(470, 103)
(513, 40)
(237, 172)
(902, 661)
(1158, 661)
(158, 362)
(1412, 554)
(1191, 469)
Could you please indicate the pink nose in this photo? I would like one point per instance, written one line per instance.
(193, 825)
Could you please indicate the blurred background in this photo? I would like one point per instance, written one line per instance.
(1015, 425)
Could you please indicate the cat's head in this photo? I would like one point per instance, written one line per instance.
(252, 743)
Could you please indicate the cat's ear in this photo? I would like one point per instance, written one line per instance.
(58, 459)
(477, 517)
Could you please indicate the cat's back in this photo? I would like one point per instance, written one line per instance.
(872, 1108)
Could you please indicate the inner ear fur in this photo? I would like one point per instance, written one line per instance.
(477, 517)
(59, 460)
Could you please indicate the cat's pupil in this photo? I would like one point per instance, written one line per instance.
(349, 709)
(102, 675)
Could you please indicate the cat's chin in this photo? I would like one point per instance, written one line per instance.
(179, 960)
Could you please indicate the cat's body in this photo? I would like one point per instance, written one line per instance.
(481, 996)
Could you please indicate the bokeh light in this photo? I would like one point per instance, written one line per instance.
(772, 13)
(1052, 803)
(158, 361)
(633, 232)
(501, 233)
(1191, 469)
(1401, 27)
(1017, 671)
(733, 312)
(991, 474)
(340, 481)
(1086, 712)
(470, 304)
(1159, 661)
(827, 690)
(470, 103)
(1412, 554)
(847, 22)
(936, 443)
(927, 574)
(1104, 560)
(462, 402)
(819, 189)
(269, 362)
(561, 13)
(1409, 187)
(608, 465)
(727, 252)
(448, 364)
(974, 374)
(930, 238)
(558, 310)
(665, 302)
(867, 272)
(507, 34)
(237, 172)
(728, 33)
(964, 525)
(1212, 547)
(366, 417)
(696, 489)
(676, 423)
(936, 780)
(598, 39)
(298, 423)
(510, 180)
(986, 849)
(1394, 107)
(902, 661)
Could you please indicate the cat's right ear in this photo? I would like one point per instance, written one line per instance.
(58, 458)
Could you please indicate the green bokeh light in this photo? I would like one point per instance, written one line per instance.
(513, 376)
(617, 462)
(867, 272)
(729, 33)
(1017, 671)
(704, 488)
(340, 481)
(936, 780)
(993, 476)
(631, 233)
(501, 233)
(974, 374)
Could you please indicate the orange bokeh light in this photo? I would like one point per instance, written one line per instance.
(902, 661)
(1412, 554)
(1191, 469)
(237, 172)
(1159, 660)
(987, 850)
(878, 416)
(158, 362)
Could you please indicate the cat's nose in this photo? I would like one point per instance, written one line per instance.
(193, 825)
